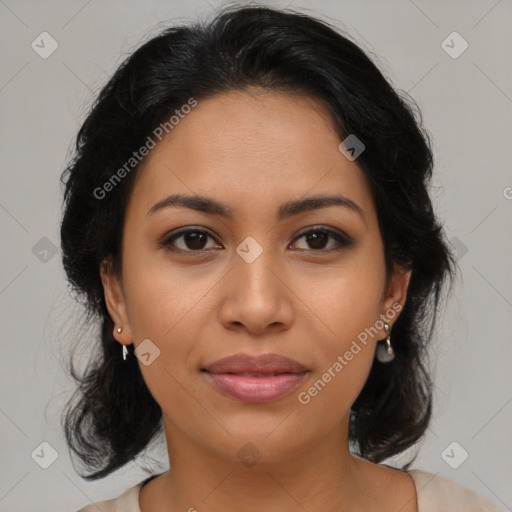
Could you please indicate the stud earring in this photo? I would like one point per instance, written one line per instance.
(119, 329)
(385, 354)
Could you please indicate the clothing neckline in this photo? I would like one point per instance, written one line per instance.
(415, 474)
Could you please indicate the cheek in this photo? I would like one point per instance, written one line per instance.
(345, 353)
(344, 300)
(169, 306)
(160, 297)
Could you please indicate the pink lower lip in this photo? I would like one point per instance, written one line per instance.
(256, 389)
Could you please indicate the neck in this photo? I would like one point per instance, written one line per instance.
(320, 477)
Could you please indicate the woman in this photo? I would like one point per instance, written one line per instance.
(247, 218)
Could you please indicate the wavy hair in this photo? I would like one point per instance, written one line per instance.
(112, 416)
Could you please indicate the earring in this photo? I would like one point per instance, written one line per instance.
(385, 354)
(125, 350)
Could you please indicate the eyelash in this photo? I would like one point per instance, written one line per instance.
(343, 241)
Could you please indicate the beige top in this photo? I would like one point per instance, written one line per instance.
(435, 494)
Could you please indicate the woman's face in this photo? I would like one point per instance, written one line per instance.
(249, 279)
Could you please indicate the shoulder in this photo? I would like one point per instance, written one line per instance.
(438, 494)
(126, 502)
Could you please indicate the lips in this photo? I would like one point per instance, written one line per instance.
(262, 364)
(255, 378)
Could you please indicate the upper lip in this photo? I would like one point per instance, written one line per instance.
(260, 363)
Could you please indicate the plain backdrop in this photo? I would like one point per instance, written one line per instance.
(466, 102)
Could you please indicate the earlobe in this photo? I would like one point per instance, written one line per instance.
(114, 299)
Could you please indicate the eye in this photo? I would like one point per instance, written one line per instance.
(195, 240)
(317, 238)
(192, 240)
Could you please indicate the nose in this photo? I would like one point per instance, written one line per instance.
(256, 296)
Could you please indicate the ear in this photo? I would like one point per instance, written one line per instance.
(395, 295)
(116, 305)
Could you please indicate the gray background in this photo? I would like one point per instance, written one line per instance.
(466, 103)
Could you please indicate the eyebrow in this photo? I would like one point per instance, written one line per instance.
(213, 207)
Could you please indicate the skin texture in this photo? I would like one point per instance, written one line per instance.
(254, 150)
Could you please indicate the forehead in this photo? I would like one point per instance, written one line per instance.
(253, 149)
